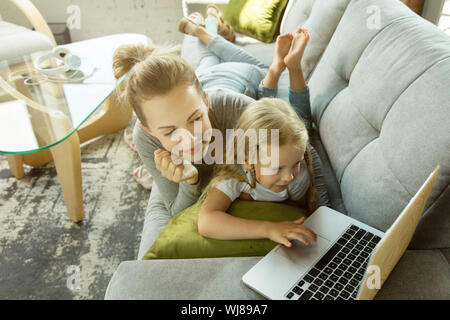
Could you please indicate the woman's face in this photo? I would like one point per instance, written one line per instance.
(277, 178)
(171, 119)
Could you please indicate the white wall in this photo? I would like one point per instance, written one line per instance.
(154, 18)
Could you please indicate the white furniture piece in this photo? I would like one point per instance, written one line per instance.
(17, 41)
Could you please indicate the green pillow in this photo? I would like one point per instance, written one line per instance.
(259, 19)
(180, 238)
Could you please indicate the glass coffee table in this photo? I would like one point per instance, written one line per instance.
(44, 120)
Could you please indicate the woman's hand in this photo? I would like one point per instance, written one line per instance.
(284, 231)
(172, 171)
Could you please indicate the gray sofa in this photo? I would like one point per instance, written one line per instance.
(381, 104)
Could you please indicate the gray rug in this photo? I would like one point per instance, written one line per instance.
(41, 249)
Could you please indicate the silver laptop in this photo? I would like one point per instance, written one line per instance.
(347, 255)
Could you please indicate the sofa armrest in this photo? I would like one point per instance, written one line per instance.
(202, 279)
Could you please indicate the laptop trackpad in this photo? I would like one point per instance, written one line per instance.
(302, 255)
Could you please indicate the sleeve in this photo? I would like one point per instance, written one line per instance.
(231, 187)
(300, 101)
(265, 92)
(297, 188)
(226, 107)
(176, 197)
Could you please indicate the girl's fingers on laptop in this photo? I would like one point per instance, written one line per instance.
(307, 233)
(300, 237)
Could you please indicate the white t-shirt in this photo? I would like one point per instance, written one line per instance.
(294, 191)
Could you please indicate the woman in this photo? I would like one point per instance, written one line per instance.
(166, 94)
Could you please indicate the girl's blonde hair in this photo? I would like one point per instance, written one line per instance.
(268, 113)
(150, 71)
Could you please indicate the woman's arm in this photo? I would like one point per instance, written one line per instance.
(214, 222)
(176, 196)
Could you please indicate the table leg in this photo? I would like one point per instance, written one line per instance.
(15, 162)
(67, 158)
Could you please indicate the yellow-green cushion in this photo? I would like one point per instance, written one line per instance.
(259, 19)
(180, 238)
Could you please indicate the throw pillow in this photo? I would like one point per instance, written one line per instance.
(259, 19)
(180, 238)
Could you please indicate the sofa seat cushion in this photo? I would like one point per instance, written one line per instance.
(18, 41)
(420, 274)
(181, 279)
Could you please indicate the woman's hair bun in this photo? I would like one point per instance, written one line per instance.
(127, 56)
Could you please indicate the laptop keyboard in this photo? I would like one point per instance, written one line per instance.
(339, 273)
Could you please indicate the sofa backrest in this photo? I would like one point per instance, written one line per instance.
(320, 18)
(380, 97)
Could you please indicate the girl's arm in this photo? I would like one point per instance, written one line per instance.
(299, 97)
(214, 222)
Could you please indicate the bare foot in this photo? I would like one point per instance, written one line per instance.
(293, 59)
(282, 46)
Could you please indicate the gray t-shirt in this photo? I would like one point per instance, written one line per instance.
(225, 108)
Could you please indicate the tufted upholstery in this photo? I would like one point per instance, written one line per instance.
(320, 18)
(381, 101)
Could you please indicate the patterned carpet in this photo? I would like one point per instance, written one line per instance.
(40, 248)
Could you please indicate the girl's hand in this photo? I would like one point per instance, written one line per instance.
(172, 171)
(284, 231)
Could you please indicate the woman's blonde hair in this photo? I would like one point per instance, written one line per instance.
(268, 114)
(150, 71)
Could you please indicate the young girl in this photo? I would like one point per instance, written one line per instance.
(292, 179)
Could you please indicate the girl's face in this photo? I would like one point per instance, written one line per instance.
(179, 109)
(290, 159)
